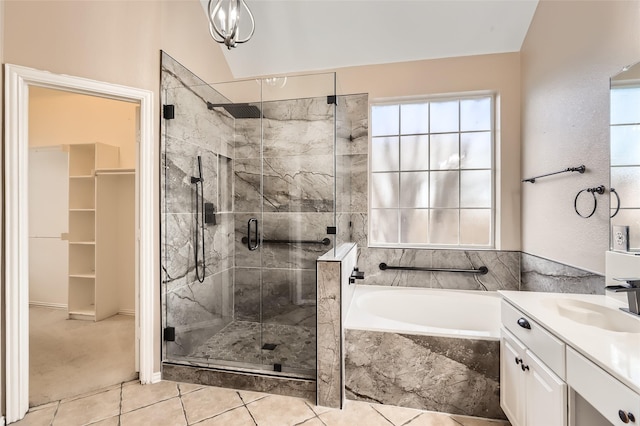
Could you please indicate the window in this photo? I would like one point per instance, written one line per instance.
(625, 154)
(432, 173)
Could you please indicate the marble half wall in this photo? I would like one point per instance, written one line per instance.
(539, 274)
(451, 375)
(334, 295)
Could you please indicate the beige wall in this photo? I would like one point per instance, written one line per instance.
(117, 42)
(64, 118)
(571, 50)
(499, 73)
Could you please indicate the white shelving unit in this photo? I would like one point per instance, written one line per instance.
(91, 297)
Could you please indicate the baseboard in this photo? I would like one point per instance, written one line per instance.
(60, 306)
(128, 312)
(156, 377)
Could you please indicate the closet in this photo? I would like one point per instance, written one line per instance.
(101, 233)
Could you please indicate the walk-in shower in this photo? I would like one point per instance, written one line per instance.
(263, 158)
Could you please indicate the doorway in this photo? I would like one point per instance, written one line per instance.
(18, 82)
(81, 243)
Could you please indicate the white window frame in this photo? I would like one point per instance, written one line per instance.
(494, 213)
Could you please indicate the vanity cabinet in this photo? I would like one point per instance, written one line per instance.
(531, 392)
(617, 403)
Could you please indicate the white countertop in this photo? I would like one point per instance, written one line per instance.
(618, 353)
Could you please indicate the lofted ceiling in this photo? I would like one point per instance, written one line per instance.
(296, 36)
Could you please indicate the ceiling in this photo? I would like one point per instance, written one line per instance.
(294, 36)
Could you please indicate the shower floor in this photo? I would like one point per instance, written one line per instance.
(240, 341)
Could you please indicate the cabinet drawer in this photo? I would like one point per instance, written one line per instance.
(601, 390)
(546, 346)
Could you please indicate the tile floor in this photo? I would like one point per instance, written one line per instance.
(173, 404)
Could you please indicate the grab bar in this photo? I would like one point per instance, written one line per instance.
(481, 270)
(246, 240)
(324, 242)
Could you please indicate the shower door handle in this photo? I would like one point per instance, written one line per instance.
(251, 246)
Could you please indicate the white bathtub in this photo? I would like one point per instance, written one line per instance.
(409, 310)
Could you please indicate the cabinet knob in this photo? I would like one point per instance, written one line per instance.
(626, 417)
(524, 367)
(522, 322)
(518, 360)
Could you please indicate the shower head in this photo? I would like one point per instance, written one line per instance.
(238, 110)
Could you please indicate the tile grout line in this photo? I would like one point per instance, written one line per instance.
(247, 408)
(184, 410)
(55, 414)
(120, 410)
(381, 415)
(153, 403)
(411, 419)
(317, 416)
(121, 396)
(461, 424)
(88, 394)
(220, 413)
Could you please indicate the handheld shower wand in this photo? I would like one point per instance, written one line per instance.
(199, 228)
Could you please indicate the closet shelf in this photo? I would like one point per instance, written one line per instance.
(115, 171)
(82, 276)
(92, 295)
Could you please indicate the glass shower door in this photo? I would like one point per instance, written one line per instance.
(247, 197)
(197, 220)
(298, 208)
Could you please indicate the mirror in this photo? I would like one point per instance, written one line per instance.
(625, 159)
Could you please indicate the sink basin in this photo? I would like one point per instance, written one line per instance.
(595, 315)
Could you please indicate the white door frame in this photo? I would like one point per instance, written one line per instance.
(16, 274)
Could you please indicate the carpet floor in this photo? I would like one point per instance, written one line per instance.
(73, 357)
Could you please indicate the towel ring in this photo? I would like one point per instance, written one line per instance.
(618, 205)
(599, 190)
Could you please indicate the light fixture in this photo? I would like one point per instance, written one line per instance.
(279, 82)
(224, 22)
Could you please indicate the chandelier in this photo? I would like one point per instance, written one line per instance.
(224, 21)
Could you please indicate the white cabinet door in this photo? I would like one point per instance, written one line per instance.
(546, 394)
(512, 379)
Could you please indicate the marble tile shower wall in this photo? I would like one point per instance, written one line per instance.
(351, 165)
(195, 131)
(297, 169)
